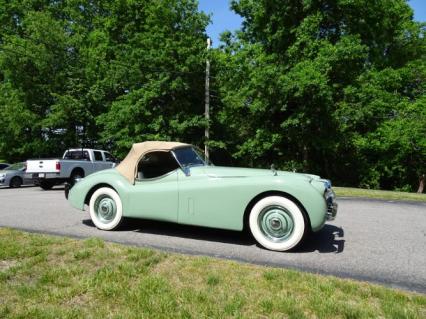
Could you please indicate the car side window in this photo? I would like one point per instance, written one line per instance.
(109, 157)
(98, 156)
(156, 164)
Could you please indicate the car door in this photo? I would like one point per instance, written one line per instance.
(98, 161)
(210, 201)
(27, 178)
(154, 194)
(21, 172)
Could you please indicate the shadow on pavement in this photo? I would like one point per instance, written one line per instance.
(21, 187)
(328, 240)
(54, 188)
(183, 231)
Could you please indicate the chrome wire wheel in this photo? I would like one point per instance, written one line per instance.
(105, 208)
(277, 223)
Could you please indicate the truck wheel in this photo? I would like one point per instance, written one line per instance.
(75, 177)
(105, 208)
(46, 185)
(15, 182)
(277, 223)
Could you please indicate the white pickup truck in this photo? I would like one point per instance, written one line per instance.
(75, 164)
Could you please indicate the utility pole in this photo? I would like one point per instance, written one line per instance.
(207, 104)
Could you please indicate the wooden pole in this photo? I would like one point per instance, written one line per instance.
(207, 104)
(421, 184)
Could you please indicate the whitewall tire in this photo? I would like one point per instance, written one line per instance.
(277, 223)
(106, 209)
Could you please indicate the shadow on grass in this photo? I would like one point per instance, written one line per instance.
(328, 240)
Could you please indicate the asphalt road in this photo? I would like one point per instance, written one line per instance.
(378, 241)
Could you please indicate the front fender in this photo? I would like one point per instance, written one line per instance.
(300, 188)
(312, 200)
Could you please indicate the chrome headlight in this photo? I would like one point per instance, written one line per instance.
(2, 175)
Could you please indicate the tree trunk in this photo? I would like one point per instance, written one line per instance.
(421, 184)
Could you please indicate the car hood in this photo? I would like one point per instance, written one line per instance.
(220, 171)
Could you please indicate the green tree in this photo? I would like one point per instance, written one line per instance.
(160, 60)
(383, 117)
(32, 64)
(296, 87)
(104, 73)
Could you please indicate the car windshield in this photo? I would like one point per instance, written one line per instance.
(187, 156)
(15, 167)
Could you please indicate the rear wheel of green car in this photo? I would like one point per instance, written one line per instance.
(277, 223)
(105, 208)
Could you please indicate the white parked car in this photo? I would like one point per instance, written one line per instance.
(74, 165)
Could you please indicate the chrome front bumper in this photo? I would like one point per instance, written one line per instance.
(330, 198)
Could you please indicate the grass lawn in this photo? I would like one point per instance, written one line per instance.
(371, 193)
(54, 277)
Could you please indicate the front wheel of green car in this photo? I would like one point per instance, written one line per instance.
(105, 208)
(277, 223)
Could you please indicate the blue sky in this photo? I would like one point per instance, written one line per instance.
(224, 19)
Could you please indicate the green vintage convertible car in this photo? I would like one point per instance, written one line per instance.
(170, 181)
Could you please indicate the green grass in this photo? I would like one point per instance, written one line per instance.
(371, 193)
(52, 277)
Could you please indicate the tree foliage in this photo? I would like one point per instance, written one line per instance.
(99, 73)
(332, 87)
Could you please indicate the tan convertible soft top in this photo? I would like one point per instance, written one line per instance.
(128, 167)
